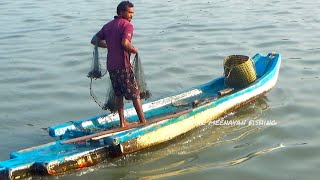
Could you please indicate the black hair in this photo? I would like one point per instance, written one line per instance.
(123, 6)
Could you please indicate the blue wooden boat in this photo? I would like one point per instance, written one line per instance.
(87, 142)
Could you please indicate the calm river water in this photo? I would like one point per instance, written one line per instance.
(45, 56)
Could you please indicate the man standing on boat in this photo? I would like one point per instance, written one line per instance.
(117, 35)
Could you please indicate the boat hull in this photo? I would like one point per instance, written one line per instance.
(56, 158)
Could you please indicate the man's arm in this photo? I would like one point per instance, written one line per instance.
(126, 44)
(101, 43)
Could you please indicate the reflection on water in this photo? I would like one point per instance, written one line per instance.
(254, 154)
(182, 167)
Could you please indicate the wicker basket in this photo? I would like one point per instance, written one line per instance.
(239, 71)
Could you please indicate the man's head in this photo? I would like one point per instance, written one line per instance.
(125, 9)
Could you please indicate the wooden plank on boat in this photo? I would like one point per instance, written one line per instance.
(103, 134)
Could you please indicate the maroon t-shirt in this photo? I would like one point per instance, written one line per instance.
(113, 33)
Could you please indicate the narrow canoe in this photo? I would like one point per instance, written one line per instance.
(87, 142)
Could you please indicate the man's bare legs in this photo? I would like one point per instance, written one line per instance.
(137, 105)
(119, 106)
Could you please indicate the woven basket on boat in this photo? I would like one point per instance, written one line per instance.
(239, 71)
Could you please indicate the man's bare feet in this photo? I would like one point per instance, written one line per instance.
(125, 124)
(143, 121)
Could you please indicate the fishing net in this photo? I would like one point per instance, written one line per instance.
(139, 76)
(96, 73)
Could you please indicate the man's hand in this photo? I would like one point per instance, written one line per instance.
(100, 42)
(135, 50)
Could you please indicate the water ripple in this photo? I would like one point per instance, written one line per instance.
(180, 168)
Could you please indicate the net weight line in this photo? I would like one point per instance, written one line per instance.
(94, 97)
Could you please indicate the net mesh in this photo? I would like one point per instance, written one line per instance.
(96, 70)
(139, 76)
(96, 73)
